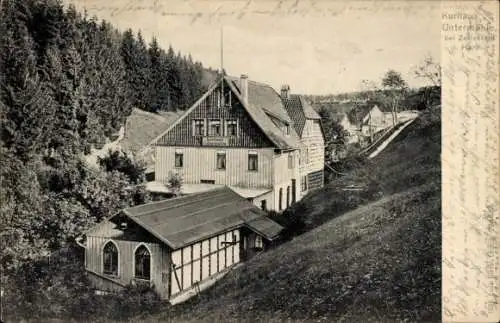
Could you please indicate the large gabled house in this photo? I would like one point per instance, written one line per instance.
(241, 134)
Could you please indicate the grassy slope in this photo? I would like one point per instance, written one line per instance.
(379, 262)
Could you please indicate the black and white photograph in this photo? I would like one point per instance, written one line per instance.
(222, 161)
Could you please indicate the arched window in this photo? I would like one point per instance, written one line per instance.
(110, 259)
(142, 263)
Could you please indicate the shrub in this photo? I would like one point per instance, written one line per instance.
(174, 183)
(120, 161)
(58, 288)
(292, 219)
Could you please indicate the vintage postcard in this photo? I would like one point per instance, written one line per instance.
(249, 161)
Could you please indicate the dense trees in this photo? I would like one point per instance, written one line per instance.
(159, 79)
(335, 134)
(67, 83)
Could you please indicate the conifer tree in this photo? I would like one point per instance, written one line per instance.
(159, 96)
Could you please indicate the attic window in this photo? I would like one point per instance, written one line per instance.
(215, 128)
(231, 127)
(199, 127)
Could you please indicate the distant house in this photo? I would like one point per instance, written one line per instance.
(370, 118)
(241, 134)
(135, 138)
(177, 244)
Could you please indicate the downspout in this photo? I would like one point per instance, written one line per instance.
(78, 241)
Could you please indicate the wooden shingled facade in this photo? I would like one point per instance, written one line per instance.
(212, 108)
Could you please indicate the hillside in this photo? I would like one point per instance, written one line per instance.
(379, 262)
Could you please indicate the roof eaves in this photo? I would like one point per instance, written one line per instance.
(250, 227)
(147, 228)
(245, 105)
(188, 111)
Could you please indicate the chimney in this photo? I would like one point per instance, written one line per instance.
(285, 91)
(244, 87)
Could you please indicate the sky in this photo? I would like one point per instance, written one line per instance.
(316, 47)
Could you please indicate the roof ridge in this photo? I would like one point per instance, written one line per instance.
(167, 201)
(197, 212)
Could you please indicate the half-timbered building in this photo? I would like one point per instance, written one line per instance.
(176, 244)
(240, 134)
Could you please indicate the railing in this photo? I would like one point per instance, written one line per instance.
(366, 151)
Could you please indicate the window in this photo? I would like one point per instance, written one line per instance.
(252, 161)
(287, 130)
(290, 160)
(221, 160)
(303, 183)
(199, 127)
(288, 196)
(227, 98)
(263, 205)
(215, 129)
(110, 259)
(307, 156)
(258, 242)
(179, 159)
(280, 202)
(231, 127)
(142, 263)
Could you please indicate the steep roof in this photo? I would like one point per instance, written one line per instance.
(181, 221)
(299, 111)
(265, 97)
(142, 127)
(357, 114)
(263, 103)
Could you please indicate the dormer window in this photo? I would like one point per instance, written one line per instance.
(287, 130)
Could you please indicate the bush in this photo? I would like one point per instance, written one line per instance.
(123, 163)
(58, 288)
(174, 183)
(292, 219)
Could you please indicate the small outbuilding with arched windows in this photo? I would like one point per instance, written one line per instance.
(176, 244)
